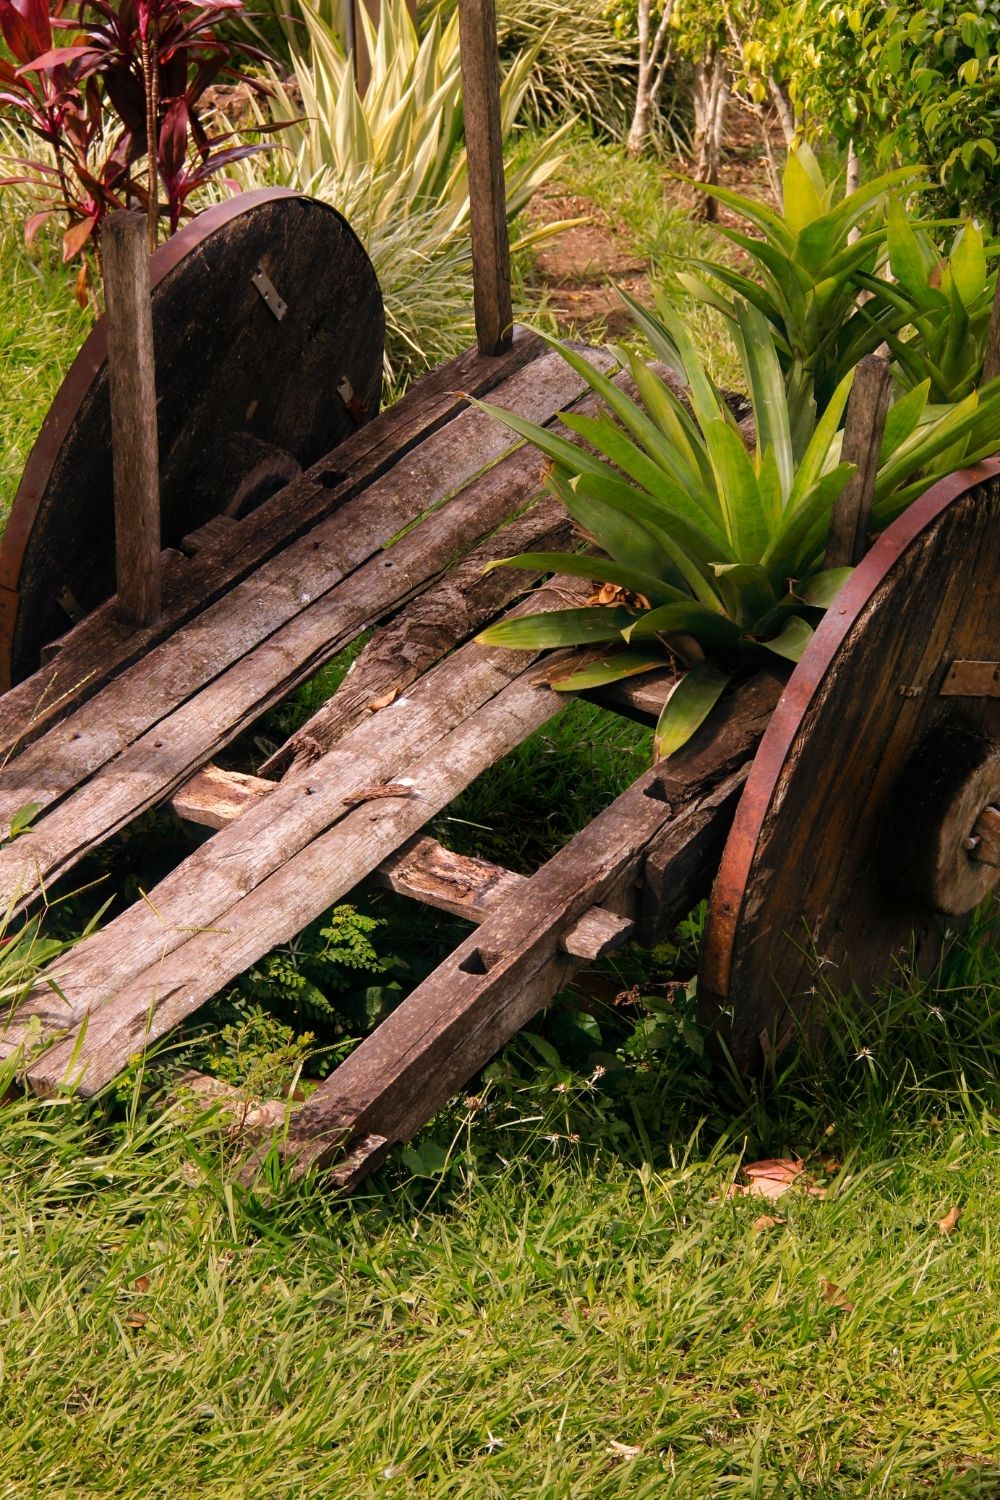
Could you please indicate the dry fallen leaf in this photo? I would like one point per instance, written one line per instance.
(624, 1450)
(835, 1297)
(949, 1223)
(384, 700)
(142, 1283)
(766, 1221)
(773, 1177)
(137, 1320)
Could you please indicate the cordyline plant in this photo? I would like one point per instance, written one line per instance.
(700, 539)
(126, 88)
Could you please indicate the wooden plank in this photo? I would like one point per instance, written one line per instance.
(487, 195)
(473, 888)
(864, 425)
(425, 870)
(147, 756)
(132, 383)
(215, 877)
(439, 619)
(222, 944)
(638, 698)
(991, 355)
(495, 981)
(101, 645)
(972, 679)
(215, 797)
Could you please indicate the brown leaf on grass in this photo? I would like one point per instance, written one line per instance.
(142, 1283)
(137, 1320)
(766, 1221)
(624, 1450)
(835, 1297)
(949, 1223)
(772, 1178)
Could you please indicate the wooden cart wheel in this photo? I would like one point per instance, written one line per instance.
(869, 819)
(269, 332)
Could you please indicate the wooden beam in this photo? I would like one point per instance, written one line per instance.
(863, 428)
(132, 381)
(481, 703)
(154, 726)
(442, 617)
(487, 195)
(101, 645)
(493, 983)
(991, 356)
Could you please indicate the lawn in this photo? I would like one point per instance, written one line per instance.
(551, 1292)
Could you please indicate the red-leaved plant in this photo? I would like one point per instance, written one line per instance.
(134, 70)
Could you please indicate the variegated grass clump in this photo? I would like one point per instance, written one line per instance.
(701, 540)
(394, 165)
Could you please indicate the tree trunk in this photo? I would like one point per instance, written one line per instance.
(711, 98)
(639, 129)
(654, 57)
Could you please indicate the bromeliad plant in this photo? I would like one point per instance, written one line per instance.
(805, 276)
(935, 312)
(701, 540)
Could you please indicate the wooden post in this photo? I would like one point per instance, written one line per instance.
(132, 379)
(487, 199)
(863, 429)
(991, 358)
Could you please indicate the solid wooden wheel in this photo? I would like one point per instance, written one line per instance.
(870, 815)
(269, 331)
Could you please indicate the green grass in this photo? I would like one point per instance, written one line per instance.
(41, 328)
(553, 1270)
(553, 1267)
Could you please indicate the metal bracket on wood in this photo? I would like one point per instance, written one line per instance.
(272, 298)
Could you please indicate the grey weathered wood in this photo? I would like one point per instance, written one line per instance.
(487, 196)
(425, 870)
(296, 891)
(216, 532)
(101, 645)
(991, 355)
(215, 877)
(681, 862)
(493, 983)
(863, 428)
(132, 380)
(473, 888)
(244, 1117)
(463, 601)
(165, 751)
(214, 797)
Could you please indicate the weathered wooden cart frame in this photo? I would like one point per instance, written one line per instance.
(391, 532)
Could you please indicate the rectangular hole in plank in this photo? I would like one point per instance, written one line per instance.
(479, 961)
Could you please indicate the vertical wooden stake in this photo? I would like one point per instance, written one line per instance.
(487, 198)
(863, 429)
(132, 378)
(991, 358)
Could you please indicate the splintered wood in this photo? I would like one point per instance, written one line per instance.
(393, 530)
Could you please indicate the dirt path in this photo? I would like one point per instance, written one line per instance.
(579, 269)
